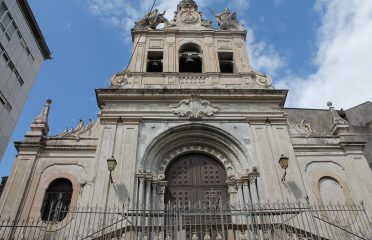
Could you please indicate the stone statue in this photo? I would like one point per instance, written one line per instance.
(151, 20)
(228, 20)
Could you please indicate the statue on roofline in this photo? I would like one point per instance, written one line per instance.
(228, 20)
(152, 20)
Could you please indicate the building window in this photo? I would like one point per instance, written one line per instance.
(14, 83)
(25, 48)
(5, 102)
(3, 8)
(155, 61)
(57, 200)
(7, 24)
(2, 59)
(190, 58)
(226, 62)
(2, 99)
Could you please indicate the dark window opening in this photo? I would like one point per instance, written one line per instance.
(3, 8)
(155, 62)
(226, 62)
(57, 200)
(190, 58)
(2, 101)
(2, 184)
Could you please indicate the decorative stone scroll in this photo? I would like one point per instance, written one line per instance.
(302, 128)
(119, 80)
(262, 80)
(194, 108)
(76, 132)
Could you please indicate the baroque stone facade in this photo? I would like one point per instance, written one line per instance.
(157, 113)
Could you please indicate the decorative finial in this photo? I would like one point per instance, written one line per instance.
(39, 127)
(187, 4)
(340, 125)
(43, 116)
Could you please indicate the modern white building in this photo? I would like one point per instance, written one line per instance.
(22, 51)
(192, 143)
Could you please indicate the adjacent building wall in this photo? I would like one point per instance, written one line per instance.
(22, 51)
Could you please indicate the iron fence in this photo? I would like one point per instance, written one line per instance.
(279, 220)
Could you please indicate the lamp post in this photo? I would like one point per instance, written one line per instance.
(283, 162)
(111, 165)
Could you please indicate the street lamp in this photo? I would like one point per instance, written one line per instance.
(283, 162)
(111, 165)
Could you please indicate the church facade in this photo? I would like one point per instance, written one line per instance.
(190, 120)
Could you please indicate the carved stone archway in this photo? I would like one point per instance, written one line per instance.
(196, 138)
(202, 139)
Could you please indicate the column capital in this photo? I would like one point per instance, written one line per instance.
(253, 177)
(161, 187)
(239, 182)
(140, 175)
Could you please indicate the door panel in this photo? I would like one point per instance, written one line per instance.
(195, 178)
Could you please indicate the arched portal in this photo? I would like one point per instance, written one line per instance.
(201, 141)
(195, 178)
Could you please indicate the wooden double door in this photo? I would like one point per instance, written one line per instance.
(194, 179)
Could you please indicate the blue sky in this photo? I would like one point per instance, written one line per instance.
(320, 50)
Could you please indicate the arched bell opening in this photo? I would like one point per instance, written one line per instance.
(195, 179)
(190, 58)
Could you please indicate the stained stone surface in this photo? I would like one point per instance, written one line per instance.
(149, 120)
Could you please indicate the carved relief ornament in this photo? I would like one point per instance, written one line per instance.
(189, 17)
(194, 108)
(303, 127)
(119, 80)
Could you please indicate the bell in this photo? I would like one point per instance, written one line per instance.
(155, 64)
(189, 59)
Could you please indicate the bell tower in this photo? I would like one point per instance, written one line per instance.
(191, 91)
(188, 52)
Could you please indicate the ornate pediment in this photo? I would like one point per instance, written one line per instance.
(188, 5)
(194, 108)
(188, 16)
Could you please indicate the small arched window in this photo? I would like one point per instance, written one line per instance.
(190, 58)
(57, 200)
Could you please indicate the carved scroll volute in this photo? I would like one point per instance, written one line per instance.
(119, 79)
(194, 108)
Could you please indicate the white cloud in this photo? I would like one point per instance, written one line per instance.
(343, 58)
(263, 56)
(123, 13)
(117, 13)
(240, 5)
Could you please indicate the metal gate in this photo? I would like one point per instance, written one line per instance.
(212, 220)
